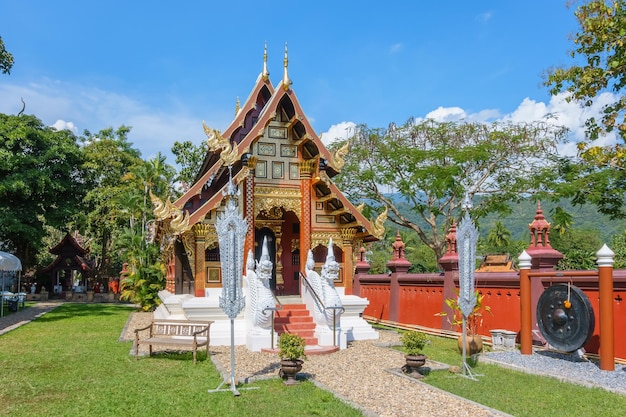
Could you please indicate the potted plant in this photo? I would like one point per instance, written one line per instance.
(474, 341)
(413, 343)
(291, 352)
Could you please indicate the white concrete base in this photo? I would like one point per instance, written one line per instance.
(255, 341)
(325, 337)
(352, 322)
(184, 306)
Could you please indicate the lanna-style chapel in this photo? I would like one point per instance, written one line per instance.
(286, 194)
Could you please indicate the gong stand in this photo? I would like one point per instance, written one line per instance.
(231, 232)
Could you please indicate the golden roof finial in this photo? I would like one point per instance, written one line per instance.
(265, 74)
(237, 106)
(286, 80)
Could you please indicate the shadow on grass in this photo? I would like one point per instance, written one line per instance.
(176, 355)
(70, 310)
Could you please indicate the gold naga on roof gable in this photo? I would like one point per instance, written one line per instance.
(216, 142)
(163, 211)
(378, 225)
(337, 160)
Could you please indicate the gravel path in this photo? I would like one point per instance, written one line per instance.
(565, 367)
(360, 375)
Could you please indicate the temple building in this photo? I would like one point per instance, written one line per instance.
(284, 175)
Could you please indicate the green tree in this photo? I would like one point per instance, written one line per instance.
(601, 49)
(561, 220)
(618, 246)
(578, 246)
(109, 156)
(6, 59)
(189, 157)
(499, 237)
(429, 166)
(41, 182)
(146, 271)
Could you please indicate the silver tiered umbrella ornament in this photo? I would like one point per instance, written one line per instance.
(231, 232)
(467, 238)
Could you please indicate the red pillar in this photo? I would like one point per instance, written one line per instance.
(526, 315)
(607, 328)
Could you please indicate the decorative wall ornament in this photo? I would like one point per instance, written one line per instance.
(321, 238)
(188, 240)
(267, 200)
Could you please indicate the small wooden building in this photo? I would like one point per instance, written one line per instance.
(71, 269)
(284, 175)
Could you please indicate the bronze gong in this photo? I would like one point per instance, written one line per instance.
(566, 324)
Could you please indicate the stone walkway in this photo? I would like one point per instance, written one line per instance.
(24, 316)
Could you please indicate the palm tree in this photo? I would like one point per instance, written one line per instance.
(499, 237)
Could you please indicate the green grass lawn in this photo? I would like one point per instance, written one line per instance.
(69, 363)
(518, 393)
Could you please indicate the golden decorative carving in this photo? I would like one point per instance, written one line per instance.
(348, 233)
(229, 154)
(308, 166)
(337, 159)
(189, 241)
(272, 202)
(360, 207)
(322, 238)
(379, 224)
(160, 209)
(252, 160)
(215, 140)
(201, 230)
(211, 241)
(180, 222)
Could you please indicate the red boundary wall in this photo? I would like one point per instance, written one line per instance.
(419, 297)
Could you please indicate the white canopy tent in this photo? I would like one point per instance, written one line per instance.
(9, 263)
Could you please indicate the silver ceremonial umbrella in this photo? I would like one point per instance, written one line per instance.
(9, 263)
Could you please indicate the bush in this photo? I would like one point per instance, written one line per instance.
(413, 342)
(291, 346)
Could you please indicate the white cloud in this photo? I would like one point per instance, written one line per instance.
(63, 125)
(76, 107)
(447, 114)
(339, 131)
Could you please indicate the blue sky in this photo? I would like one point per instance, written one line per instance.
(164, 67)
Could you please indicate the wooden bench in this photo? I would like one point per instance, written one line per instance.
(181, 333)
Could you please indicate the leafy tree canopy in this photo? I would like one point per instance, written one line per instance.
(6, 59)
(190, 158)
(600, 46)
(41, 182)
(431, 165)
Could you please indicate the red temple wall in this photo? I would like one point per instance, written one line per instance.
(421, 297)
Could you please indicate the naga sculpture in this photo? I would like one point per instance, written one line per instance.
(260, 294)
(324, 286)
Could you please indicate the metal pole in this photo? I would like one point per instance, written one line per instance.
(334, 327)
(233, 385)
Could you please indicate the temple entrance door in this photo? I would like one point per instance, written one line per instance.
(290, 254)
(271, 248)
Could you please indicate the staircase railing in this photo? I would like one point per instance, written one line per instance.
(317, 298)
(277, 306)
